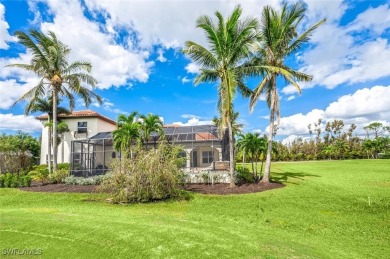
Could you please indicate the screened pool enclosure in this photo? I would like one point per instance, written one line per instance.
(203, 148)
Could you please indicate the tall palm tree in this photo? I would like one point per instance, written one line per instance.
(278, 40)
(46, 106)
(57, 76)
(236, 127)
(230, 43)
(127, 133)
(150, 123)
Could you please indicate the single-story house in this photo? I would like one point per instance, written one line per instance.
(88, 146)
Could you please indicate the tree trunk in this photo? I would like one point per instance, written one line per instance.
(231, 154)
(55, 131)
(270, 134)
(49, 145)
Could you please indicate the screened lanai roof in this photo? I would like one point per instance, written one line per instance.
(174, 133)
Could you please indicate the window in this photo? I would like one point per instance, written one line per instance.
(207, 157)
(82, 127)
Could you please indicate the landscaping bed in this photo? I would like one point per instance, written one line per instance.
(221, 188)
(225, 188)
(60, 187)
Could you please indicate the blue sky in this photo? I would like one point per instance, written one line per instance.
(134, 47)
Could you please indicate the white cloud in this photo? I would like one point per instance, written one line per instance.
(171, 22)
(360, 108)
(11, 90)
(193, 122)
(192, 68)
(349, 54)
(297, 123)
(4, 34)
(370, 103)
(161, 57)
(10, 121)
(185, 80)
(291, 97)
(113, 64)
(190, 116)
(375, 20)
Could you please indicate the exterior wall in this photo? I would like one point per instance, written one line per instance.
(95, 125)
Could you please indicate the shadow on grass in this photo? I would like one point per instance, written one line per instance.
(287, 177)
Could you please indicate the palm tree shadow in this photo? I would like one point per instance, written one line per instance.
(286, 177)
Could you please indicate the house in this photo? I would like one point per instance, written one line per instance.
(89, 144)
(81, 124)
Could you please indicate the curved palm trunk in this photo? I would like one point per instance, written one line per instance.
(231, 154)
(49, 145)
(55, 131)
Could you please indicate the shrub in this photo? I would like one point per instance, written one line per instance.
(40, 173)
(60, 176)
(95, 180)
(243, 175)
(14, 180)
(63, 166)
(151, 175)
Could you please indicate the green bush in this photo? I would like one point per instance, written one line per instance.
(149, 176)
(243, 175)
(14, 180)
(40, 173)
(63, 166)
(60, 176)
(95, 180)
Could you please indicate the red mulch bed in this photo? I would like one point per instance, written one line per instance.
(225, 188)
(221, 189)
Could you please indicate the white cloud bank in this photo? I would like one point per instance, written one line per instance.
(361, 108)
(4, 35)
(10, 121)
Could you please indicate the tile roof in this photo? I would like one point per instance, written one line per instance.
(79, 114)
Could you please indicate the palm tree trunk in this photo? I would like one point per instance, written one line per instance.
(231, 154)
(55, 131)
(270, 135)
(49, 144)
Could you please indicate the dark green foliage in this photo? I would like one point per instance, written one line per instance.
(18, 152)
(243, 175)
(40, 173)
(149, 176)
(64, 166)
(14, 180)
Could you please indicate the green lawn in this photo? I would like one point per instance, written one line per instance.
(335, 209)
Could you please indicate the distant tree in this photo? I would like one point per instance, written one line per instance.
(376, 128)
(237, 127)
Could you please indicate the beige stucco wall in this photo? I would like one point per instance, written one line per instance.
(95, 125)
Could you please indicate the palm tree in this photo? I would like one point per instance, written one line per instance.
(46, 106)
(230, 43)
(278, 39)
(150, 123)
(254, 145)
(50, 63)
(236, 127)
(127, 133)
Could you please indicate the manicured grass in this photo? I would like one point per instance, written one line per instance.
(336, 209)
